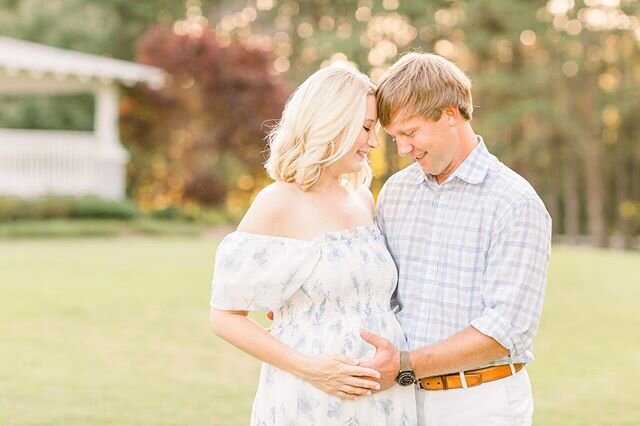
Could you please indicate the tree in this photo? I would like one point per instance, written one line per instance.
(200, 139)
(554, 82)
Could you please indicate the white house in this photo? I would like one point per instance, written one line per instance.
(39, 162)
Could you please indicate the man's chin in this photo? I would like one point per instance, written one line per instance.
(425, 169)
(428, 168)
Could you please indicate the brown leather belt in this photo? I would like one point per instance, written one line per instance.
(473, 378)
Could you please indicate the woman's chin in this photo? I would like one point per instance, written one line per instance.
(356, 167)
(353, 167)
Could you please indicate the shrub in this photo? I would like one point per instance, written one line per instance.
(169, 212)
(13, 208)
(98, 208)
(49, 208)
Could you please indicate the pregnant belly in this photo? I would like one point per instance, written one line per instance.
(341, 336)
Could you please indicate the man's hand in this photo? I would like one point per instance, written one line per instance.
(386, 360)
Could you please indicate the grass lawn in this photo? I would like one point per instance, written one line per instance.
(115, 332)
(81, 228)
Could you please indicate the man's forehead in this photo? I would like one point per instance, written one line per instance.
(400, 122)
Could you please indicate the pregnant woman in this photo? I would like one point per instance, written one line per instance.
(309, 251)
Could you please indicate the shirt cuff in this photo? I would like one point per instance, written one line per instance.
(492, 324)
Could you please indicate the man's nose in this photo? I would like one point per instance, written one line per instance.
(403, 147)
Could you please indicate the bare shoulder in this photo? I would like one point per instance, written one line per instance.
(268, 212)
(366, 197)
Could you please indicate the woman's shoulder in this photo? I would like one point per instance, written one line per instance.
(269, 210)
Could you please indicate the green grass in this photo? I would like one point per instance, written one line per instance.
(66, 228)
(115, 332)
(587, 368)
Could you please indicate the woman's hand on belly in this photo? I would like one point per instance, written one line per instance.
(340, 376)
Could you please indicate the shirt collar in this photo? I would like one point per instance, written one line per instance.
(472, 170)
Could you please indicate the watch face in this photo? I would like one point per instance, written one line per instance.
(406, 378)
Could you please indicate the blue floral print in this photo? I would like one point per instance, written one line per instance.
(322, 292)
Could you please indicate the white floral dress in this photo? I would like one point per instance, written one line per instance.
(322, 292)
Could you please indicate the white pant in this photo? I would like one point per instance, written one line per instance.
(505, 402)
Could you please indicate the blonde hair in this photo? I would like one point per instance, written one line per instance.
(422, 84)
(319, 125)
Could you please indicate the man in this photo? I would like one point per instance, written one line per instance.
(471, 240)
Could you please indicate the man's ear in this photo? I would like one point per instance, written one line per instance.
(451, 113)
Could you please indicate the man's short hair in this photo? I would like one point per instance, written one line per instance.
(422, 84)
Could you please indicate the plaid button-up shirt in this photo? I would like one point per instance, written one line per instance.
(471, 251)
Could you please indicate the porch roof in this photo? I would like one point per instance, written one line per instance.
(38, 60)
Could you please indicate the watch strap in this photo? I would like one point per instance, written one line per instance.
(405, 361)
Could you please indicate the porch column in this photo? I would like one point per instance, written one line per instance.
(111, 157)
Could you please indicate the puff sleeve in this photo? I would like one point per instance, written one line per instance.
(259, 272)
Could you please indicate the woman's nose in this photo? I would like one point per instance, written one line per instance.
(373, 141)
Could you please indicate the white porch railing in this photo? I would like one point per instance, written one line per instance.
(39, 162)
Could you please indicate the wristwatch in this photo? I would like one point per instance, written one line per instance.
(406, 376)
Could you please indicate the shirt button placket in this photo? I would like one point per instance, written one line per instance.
(439, 215)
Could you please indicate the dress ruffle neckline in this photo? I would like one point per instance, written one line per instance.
(357, 232)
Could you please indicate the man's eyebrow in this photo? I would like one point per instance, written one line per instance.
(407, 130)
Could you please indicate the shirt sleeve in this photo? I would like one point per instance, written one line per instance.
(259, 273)
(515, 277)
